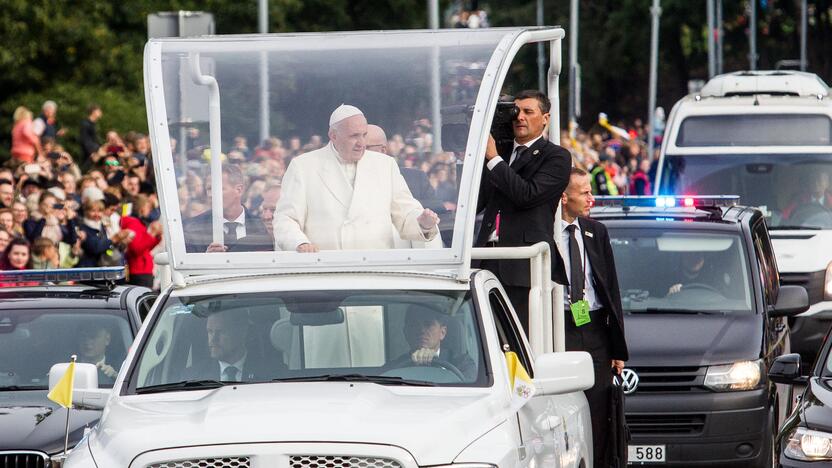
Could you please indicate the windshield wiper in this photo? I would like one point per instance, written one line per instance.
(13, 388)
(185, 385)
(379, 379)
(794, 227)
(655, 310)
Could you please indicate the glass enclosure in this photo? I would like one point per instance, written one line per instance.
(32, 341)
(393, 337)
(794, 191)
(681, 272)
(317, 176)
(755, 130)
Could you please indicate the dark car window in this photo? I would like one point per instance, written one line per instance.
(31, 341)
(508, 334)
(307, 334)
(768, 266)
(666, 270)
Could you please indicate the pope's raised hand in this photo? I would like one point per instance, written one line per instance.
(307, 248)
(428, 219)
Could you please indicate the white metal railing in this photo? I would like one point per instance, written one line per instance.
(546, 326)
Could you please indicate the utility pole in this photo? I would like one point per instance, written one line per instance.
(804, 23)
(719, 55)
(752, 36)
(711, 51)
(435, 78)
(263, 20)
(655, 13)
(541, 50)
(574, 70)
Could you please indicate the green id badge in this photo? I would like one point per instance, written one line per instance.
(580, 312)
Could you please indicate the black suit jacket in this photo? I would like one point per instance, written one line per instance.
(199, 234)
(253, 370)
(604, 280)
(526, 196)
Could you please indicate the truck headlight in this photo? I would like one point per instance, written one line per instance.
(827, 283)
(806, 444)
(743, 375)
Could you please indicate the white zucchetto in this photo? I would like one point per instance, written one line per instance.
(342, 112)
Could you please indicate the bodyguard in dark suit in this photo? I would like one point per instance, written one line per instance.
(519, 193)
(592, 302)
(242, 231)
(230, 360)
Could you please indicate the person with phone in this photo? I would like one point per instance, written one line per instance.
(51, 220)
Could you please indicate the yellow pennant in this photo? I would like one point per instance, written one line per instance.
(522, 387)
(62, 393)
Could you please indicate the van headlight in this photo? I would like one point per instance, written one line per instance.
(739, 376)
(809, 445)
(827, 283)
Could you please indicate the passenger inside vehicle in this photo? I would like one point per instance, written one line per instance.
(94, 341)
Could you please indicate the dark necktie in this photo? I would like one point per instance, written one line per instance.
(576, 268)
(230, 374)
(231, 232)
(518, 153)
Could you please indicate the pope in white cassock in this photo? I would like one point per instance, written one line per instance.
(345, 197)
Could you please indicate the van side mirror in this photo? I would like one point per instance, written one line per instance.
(558, 373)
(85, 391)
(786, 370)
(791, 300)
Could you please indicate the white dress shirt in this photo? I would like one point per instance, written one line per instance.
(241, 224)
(589, 288)
(238, 365)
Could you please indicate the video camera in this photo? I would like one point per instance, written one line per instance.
(456, 121)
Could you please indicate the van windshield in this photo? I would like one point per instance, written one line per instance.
(792, 190)
(688, 272)
(388, 337)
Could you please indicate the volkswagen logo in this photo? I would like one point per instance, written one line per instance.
(629, 381)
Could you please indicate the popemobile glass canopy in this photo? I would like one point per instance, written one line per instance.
(257, 116)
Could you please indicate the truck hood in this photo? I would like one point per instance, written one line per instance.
(433, 424)
(656, 339)
(801, 251)
(29, 421)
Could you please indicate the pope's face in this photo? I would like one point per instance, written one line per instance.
(349, 137)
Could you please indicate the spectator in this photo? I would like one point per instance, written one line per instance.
(44, 254)
(6, 193)
(25, 143)
(90, 143)
(21, 214)
(95, 243)
(6, 219)
(271, 195)
(51, 219)
(5, 238)
(147, 236)
(16, 256)
(639, 181)
(46, 125)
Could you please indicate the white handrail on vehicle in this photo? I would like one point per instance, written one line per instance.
(546, 329)
(215, 143)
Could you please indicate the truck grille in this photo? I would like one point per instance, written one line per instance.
(665, 424)
(670, 379)
(321, 461)
(23, 460)
(226, 462)
(813, 282)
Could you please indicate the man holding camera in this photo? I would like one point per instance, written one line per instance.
(519, 193)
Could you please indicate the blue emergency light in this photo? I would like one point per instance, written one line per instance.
(664, 201)
(78, 275)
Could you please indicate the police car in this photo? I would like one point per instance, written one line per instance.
(379, 357)
(43, 322)
(705, 316)
(767, 137)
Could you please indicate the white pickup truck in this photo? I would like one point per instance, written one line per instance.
(349, 358)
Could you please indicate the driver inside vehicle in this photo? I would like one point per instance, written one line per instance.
(815, 194)
(429, 334)
(695, 273)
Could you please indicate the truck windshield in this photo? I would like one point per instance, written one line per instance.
(686, 272)
(792, 190)
(387, 337)
(31, 341)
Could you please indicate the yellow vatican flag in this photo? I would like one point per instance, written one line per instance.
(522, 388)
(62, 393)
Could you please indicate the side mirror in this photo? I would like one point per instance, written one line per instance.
(85, 391)
(792, 300)
(558, 373)
(786, 370)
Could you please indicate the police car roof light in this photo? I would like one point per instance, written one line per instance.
(79, 275)
(668, 201)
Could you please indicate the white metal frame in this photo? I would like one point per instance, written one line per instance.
(454, 260)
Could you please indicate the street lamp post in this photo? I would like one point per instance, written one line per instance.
(574, 69)
(655, 13)
(711, 51)
(263, 20)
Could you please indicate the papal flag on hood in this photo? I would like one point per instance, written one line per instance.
(522, 388)
(62, 392)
